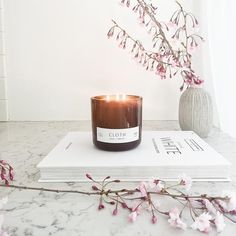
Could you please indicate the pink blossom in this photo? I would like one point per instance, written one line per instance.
(219, 222)
(209, 206)
(161, 71)
(174, 63)
(198, 81)
(132, 216)
(202, 223)
(230, 204)
(3, 162)
(187, 64)
(186, 181)
(156, 185)
(143, 189)
(175, 220)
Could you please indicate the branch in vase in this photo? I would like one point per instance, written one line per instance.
(166, 58)
(152, 61)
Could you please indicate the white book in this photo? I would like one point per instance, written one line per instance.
(161, 154)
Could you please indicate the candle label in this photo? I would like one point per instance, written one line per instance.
(117, 135)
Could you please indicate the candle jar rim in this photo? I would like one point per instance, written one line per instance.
(104, 97)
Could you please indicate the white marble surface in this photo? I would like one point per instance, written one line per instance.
(24, 144)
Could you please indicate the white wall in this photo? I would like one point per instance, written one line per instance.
(3, 78)
(58, 56)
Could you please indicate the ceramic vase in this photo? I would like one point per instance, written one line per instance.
(196, 111)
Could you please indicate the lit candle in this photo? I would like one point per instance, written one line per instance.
(116, 121)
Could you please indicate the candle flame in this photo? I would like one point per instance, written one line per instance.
(107, 98)
(117, 97)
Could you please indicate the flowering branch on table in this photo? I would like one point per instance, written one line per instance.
(6, 172)
(206, 211)
(174, 42)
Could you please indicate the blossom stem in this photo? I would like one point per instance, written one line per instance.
(103, 192)
(148, 54)
(143, 4)
(50, 190)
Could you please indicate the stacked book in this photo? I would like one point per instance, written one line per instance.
(161, 154)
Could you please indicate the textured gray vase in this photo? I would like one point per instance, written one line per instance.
(196, 111)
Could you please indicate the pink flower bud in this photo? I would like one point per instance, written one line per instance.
(132, 216)
(89, 176)
(233, 212)
(110, 32)
(101, 206)
(114, 213)
(95, 188)
(2, 176)
(11, 174)
(154, 219)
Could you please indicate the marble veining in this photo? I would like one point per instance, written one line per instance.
(24, 144)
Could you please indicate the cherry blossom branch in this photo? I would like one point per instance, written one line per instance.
(206, 211)
(6, 172)
(169, 60)
(137, 43)
(151, 14)
(150, 60)
(109, 192)
(50, 190)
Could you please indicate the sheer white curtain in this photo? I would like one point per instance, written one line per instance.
(219, 20)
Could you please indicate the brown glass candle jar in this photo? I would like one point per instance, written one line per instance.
(116, 121)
